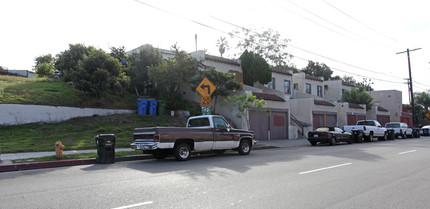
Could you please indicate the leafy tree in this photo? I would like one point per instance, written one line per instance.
(140, 62)
(68, 60)
(255, 68)
(317, 69)
(45, 59)
(293, 68)
(224, 83)
(365, 85)
(44, 69)
(97, 73)
(267, 44)
(243, 103)
(222, 45)
(422, 105)
(118, 53)
(358, 97)
(170, 75)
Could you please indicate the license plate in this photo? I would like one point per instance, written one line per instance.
(315, 135)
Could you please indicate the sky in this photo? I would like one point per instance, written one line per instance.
(354, 38)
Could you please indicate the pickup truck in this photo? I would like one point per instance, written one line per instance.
(202, 133)
(400, 129)
(369, 129)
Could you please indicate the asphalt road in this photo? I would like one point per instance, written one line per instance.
(392, 174)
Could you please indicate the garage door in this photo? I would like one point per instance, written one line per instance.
(275, 124)
(324, 119)
(279, 125)
(383, 119)
(259, 123)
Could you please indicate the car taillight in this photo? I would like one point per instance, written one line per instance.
(157, 138)
(325, 134)
(364, 127)
(309, 134)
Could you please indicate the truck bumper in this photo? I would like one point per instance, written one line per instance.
(144, 145)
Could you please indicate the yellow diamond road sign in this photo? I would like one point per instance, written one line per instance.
(205, 88)
(428, 115)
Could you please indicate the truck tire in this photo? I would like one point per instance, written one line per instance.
(182, 151)
(369, 138)
(244, 147)
(383, 138)
(404, 135)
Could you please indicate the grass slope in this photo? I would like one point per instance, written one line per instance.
(55, 92)
(78, 133)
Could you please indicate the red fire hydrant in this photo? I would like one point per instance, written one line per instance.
(59, 147)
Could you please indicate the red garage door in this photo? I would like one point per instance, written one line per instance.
(324, 119)
(274, 124)
(383, 119)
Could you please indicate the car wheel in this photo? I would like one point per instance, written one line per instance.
(333, 141)
(244, 147)
(182, 151)
(313, 143)
(404, 135)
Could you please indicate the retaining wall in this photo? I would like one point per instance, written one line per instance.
(14, 114)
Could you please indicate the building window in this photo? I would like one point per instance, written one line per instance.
(319, 91)
(296, 86)
(272, 84)
(308, 88)
(287, 86)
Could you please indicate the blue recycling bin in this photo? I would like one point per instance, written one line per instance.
(142, 106)
(152, 109)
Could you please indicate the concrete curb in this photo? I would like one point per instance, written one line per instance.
(62, 163)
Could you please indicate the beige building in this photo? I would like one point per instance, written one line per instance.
(333, 89)
(390, 100)
(307, 86)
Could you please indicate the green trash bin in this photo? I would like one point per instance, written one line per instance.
(162, 105)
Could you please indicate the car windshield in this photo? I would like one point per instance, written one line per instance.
(323, 129)
(392, 125)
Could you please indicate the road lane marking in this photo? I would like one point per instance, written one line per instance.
(134, 205)
(320, 169)
(401, 153)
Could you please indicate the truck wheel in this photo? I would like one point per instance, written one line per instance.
(332, 141)
(383, 138)
(404, 135)
(369, 138)
(244, 147)
(182, 151)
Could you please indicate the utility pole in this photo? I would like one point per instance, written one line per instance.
(411, 92)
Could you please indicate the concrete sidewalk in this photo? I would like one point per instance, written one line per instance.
(7, 165)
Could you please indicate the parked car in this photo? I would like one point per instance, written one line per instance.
(400, 129)
(370, 129)
(331, 135)
(425, 130)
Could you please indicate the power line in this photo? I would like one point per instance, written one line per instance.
(356, 20)
(227, 22)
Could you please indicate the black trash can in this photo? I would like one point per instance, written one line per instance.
(105, 148)
(390, 134)
(416, 133)
(357, 136)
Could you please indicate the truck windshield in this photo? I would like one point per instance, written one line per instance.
(392, 125)
(198, 122)
(366, 123)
